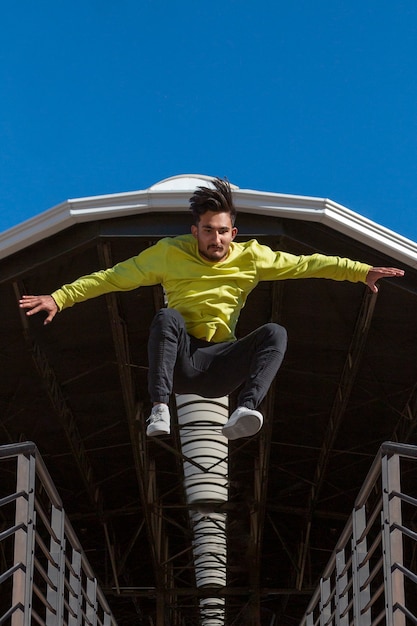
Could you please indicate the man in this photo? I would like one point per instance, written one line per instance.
(207, 277)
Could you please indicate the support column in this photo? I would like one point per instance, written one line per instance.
(205, 452)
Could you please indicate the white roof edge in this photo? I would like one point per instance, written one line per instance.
(333, 215)
(173, 194)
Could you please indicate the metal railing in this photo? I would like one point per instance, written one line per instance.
(45, 577)
(371, 577)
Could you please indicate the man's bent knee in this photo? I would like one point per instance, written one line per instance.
(276, 335)
(167, 317)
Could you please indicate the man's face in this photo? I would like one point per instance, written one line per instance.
(214, 232)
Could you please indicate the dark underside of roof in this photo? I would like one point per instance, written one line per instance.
(77, 388)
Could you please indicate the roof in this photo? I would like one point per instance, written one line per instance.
(77, 388)
(172, 194)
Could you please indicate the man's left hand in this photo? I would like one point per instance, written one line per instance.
(375, 273)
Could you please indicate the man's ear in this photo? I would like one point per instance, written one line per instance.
(234, 232)
(194, 231)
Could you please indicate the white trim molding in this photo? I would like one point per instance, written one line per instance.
(173, 194)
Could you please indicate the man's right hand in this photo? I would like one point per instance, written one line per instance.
(36, 304)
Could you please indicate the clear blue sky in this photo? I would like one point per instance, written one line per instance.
(301, 97)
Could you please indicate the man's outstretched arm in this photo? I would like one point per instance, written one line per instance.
(36, 304)
(375, 273)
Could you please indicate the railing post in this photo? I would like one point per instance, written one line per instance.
(56, 569)
(325, 603)
(75, 594)
(91, 604)
(310, 619)
(341, 598)
(24, 540)
(392, 540)
(360, 570)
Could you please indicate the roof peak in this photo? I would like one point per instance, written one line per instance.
(184, 182)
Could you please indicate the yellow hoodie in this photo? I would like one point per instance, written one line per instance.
(209, 295)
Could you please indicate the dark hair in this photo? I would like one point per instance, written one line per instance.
(218, 200)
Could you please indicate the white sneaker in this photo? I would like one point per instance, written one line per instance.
(159, 421)
(243, 422)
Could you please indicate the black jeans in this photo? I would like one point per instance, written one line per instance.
(181, 363)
